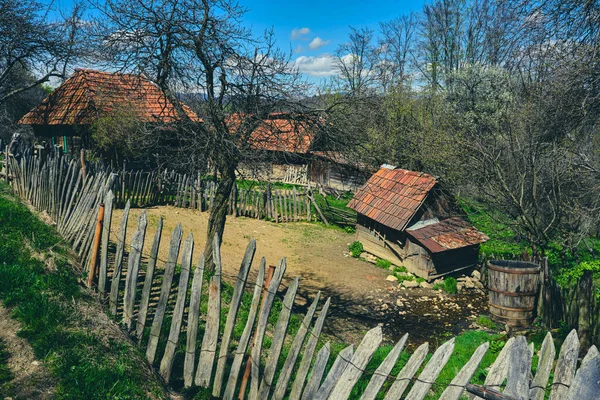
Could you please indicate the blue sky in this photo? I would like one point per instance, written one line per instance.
(314, 29)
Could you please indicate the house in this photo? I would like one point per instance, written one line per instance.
(405, 217)
(285, 150)
(66, 115)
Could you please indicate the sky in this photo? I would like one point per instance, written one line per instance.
(313, 29)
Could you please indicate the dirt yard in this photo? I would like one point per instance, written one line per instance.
(319, 256)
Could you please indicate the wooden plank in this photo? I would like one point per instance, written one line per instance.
(360, 359)
(192, 326)
(545, 364)
(307, 356)
(317, 373)
(261, 326)
(586, 385)
(211, 332)
(456, 387)
(166, 364)
(431, 371)
(384, 370)
(337, 369)
(487, 393)
(499, 369)
(103, 273)
(147, 289)
(565, 367)
(278, 339)
(245, 339)
(116, 276)
(165, 290)
(592, 352)
(238, 291)
(133, 267)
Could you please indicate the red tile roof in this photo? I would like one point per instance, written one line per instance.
(278, 132)
(449, 234)
(392, 196)
(88, 95)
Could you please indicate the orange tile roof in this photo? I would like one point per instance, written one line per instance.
(88, 95)
(278, 132)
(392, 196)
(449, 234)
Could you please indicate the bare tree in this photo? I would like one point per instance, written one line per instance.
(34, 45)
(396, 44)
(357, 61)
(201, 46)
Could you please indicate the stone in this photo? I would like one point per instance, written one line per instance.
(399, 303)
(391, 278)
(368, 257)
(476, 275)
(410, 284)
(384, 306)
(469, 284)
(425, 285)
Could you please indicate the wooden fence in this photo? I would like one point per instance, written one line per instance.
(159, 305)
(144, 189)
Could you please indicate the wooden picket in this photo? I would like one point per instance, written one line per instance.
(72, 200)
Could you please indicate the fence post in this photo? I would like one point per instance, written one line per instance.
(585, 315)
(94, 259)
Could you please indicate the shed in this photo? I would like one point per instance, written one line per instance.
(66, 115)
(405, 217)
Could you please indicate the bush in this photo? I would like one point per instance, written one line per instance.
(448, 286)
(486, 322)
(356, 248)
(400, 269)
(381, 263)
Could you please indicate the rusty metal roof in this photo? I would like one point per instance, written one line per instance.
(88, 95)
(449, 234)
(392, 196)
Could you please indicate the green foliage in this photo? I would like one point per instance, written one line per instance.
(381, 263)
(420, 280)
(485, 321)
(496, 345)
(448, 285)
(570, 275)
(400, 269)
(356, 248)
(350, 229)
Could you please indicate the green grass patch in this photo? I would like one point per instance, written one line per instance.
(486, 322)
(449, 285)
(381, 263)
(356, 248)
(45, 302)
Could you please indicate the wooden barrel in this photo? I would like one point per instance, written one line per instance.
(513, 289)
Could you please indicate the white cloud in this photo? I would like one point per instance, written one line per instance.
(299, 32)
(317, 43)
(322, 65)
(299, 49)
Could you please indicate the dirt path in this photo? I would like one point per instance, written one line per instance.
(319, 256)
(31, 380)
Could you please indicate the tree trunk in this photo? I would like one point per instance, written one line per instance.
(218, 214)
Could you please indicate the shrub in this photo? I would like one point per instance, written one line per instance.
(486, 322)
(350, 229)
(356, 248)
(448, 285)
(400, 269)
(381, 263)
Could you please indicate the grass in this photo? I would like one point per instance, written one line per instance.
(486, 322)
(449, 285)
(46, 302)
